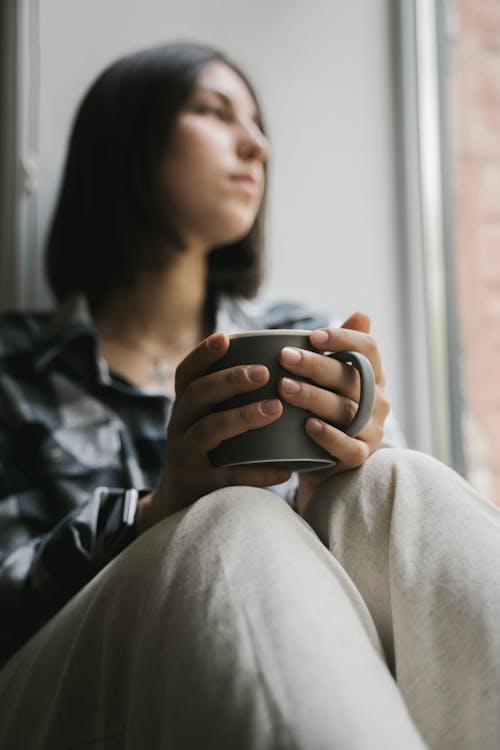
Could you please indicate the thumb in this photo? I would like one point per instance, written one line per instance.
(358, 321)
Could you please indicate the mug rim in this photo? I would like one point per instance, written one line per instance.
(316, 462)
(270, 332)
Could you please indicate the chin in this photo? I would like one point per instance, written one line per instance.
(230, 239)
(235, 230)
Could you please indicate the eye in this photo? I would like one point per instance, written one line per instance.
(212, 109)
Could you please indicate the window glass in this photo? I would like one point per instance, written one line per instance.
(472, 36)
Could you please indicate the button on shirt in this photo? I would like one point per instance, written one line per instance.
(73, 438)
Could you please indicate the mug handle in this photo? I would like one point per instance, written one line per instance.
(367, 397)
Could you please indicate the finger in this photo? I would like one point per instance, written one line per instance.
(358, 321)
(342, 339)
(350, 451)
(199, 360)
(202, 394)
(211, 430)
(323, 370)
(373, 432)
(323, 403)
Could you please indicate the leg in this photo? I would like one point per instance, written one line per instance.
(424, 551)
(228, 625)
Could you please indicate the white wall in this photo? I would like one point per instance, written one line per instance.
(323, 72)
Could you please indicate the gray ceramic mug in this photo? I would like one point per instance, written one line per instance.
(284, 443)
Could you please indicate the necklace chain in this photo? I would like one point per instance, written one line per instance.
(162, 371)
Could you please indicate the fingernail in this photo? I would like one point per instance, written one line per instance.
(292, 356)
(314, 426)
(257, 373)
(320, 337)
(290, 386)
(270, 407)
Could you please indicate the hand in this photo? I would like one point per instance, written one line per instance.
(338, 407)
(193, 431)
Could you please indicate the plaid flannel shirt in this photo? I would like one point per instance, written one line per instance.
(73, 438)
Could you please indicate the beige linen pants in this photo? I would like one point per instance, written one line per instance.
(230, 625)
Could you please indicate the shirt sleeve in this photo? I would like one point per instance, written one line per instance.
(44, 561)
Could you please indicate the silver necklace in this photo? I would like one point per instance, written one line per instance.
(162, 373)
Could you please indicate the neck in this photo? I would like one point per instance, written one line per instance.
(163, 310)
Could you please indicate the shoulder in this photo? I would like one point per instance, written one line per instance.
(290, 314)
(20, 333)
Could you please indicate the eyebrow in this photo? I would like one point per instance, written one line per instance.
(226, 99)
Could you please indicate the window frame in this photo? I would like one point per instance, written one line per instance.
(428, 301)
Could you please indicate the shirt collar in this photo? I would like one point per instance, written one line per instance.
(235, 314)
(73, 322)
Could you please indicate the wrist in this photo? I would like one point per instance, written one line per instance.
(144, 518)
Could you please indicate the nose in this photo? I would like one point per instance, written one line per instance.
(252, 143)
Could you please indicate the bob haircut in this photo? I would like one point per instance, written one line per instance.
(112, 219)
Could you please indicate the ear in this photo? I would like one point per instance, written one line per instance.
(358, 321)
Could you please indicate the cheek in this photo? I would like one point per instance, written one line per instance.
(199, 146)
(194, 169)
(194, 177)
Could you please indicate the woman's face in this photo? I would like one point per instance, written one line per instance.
(213, 167)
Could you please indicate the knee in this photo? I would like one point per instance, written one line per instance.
(248, 510)
(231, 515)
(386, 464)
(386, 459)
(224, 539)
(389, 476)
(389, 465)
(254, 498)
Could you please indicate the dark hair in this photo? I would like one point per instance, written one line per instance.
(112, 219)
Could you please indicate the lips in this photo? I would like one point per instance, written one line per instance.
(246, 181)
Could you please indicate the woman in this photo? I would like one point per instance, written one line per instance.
(164, 602)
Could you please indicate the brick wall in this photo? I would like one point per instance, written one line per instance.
(475, 149)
